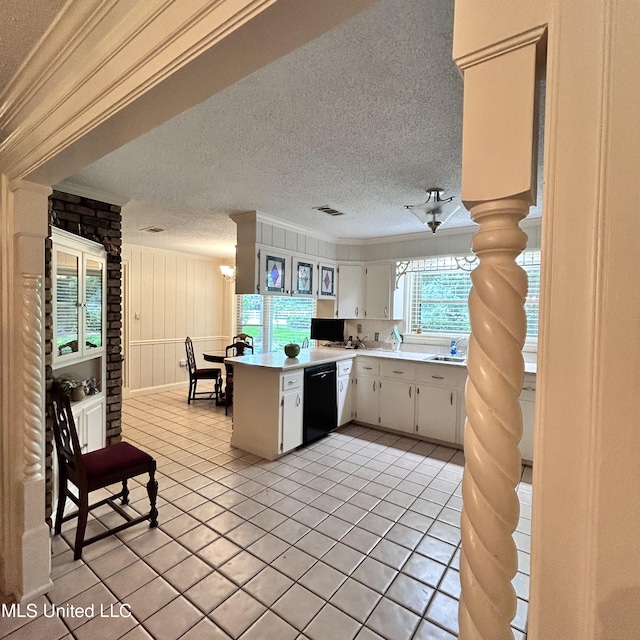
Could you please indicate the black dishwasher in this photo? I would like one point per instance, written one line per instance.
(320, 411)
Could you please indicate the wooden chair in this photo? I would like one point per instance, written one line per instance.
(238, 348)
(195, 374)
(95, 470)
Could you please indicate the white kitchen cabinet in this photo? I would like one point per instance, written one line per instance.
(382, 299)
(528, 405)
(436, 412)
(439, 389)
(78, 285)
(367, 389)
(267, 410)
(304, 277)
(78, 297)
(327, 281)
(262, 270)
(396, 404)
(350, 291)
(89, 416)
(344, 392)
(291, 408)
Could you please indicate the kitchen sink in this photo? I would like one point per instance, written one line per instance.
(445, 359)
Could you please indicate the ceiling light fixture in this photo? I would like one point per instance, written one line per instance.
(228, 272)
(435, 211)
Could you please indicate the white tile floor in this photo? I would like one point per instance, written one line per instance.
(355, 536)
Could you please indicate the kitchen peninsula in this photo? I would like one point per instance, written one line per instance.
(406, 392)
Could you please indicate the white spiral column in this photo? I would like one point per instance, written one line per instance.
(32, 368)
(494, 423)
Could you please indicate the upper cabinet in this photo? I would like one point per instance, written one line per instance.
(271, 271)
(369, 291)
(384, 298)
(78, 294)
(350, 291)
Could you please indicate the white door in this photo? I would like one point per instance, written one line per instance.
(397, 405)
(436, 412)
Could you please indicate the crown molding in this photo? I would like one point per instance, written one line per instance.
(91, 193)
(257, 216)
(98, 57)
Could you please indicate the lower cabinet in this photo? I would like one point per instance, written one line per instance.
(367, 388)
(291, 420)
(267, 410)
(89, 416)
(437, 413)
(397, 405)
(344, 392)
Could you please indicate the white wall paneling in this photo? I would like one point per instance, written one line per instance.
(171, 296)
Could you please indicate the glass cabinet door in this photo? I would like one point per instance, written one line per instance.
(67, 302)
(93, 320)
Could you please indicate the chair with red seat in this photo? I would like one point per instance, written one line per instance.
(95, 470)
(195, 374)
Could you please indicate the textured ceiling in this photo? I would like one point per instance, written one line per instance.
(362, 119)
(22, 24)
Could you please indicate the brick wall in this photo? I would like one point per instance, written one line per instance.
(96, 221)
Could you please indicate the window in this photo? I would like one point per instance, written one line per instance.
(273, 321)
(439, 293)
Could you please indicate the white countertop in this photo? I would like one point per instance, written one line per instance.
(310, 357)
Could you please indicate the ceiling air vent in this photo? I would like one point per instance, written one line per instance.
(153, 229)
(329, 210)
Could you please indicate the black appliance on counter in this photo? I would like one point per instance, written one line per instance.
(320, 410)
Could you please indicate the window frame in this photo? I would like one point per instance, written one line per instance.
(530, 257)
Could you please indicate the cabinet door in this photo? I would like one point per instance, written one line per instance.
(326, 281)
(377, 291)
(345, 402)
(274, 272)
(436, 412)
(94, 269)
(67, 301)
(291, 421)
(304, 274)
(367, 399)
(94, 426)
(397, 405)
(350, 298)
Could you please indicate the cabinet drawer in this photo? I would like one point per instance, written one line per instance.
(398, 369)
(368, 367)
(292, 380)
(344, 367)
(444, 374)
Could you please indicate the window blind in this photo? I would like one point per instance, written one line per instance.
(439, 294)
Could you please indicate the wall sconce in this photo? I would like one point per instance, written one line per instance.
(435, 211)
(228, 272)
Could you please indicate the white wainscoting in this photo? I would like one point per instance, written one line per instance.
(154, 365)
